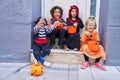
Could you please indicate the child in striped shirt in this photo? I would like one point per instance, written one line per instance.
(40, 47)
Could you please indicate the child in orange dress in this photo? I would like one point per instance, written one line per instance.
(90, 44)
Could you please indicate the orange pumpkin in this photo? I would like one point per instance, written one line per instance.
(92, 42)
(36, 69)
(71, 29)
(59, 25)
(93, 46)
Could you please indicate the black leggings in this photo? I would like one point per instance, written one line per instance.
(87, 59)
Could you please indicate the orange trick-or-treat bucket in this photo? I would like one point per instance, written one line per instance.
(36, 69)
(71, 29)
(93, 46)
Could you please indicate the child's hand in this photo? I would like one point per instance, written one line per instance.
(98, 42)
(42, 20)
(75, 24)
(57, 23)
(39, 26)
(48, 22)
(40, 23)
(87, 33)
(95, 31)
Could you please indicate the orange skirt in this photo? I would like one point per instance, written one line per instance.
(93, 55)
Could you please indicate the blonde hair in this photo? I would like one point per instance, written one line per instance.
(91, 18)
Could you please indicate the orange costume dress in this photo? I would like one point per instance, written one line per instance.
(91, 47)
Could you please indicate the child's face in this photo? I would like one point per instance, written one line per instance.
(91, 26)
(57, 13)
(73, 13)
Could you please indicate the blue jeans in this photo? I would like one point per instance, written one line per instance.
(40, 51)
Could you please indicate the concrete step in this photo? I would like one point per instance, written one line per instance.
(63, 57)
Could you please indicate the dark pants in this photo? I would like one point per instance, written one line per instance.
(40, 51)
(87, 59)
(57, 33)
(73, 41)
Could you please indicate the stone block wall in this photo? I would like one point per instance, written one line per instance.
(110, 30)
(15, 30)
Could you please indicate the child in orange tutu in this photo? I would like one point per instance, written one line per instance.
(90, 44)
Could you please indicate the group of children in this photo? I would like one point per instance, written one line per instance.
(66, 40)
(68, 33)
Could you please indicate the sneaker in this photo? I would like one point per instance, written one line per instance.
(85, 65)
(75, 49)
(35, 62)
(46, 64)
(100, 66)
(66, 49)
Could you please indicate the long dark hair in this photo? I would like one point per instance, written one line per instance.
(77, 11)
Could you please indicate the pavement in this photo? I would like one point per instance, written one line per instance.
(21, 71)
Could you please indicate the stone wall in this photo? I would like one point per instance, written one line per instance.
(110, 30)
(15, 30)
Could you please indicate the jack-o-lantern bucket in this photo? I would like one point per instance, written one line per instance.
(71, 29)
(93, 46)
(36, 69)
(59, 25)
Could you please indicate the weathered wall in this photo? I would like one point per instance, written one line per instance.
(15, 30)
(36, 12)
(110, 30)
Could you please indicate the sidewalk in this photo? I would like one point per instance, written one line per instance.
(21, 71)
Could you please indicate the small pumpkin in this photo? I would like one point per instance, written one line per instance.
(59, 25)
(36, 69)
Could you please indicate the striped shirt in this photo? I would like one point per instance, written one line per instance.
(41, 35)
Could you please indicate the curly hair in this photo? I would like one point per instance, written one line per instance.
(54, 8)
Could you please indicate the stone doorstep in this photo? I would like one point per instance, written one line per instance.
(63, 57)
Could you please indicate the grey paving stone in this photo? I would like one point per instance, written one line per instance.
(73, 72)
(54, 75)
(58, 67)
(73, 75)
(85, 74)
(55, 72)
(20, 75)
(118, 68)
(10, 65)
(58, 72)
(111, 73)
(73, 67)
(5, 73)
